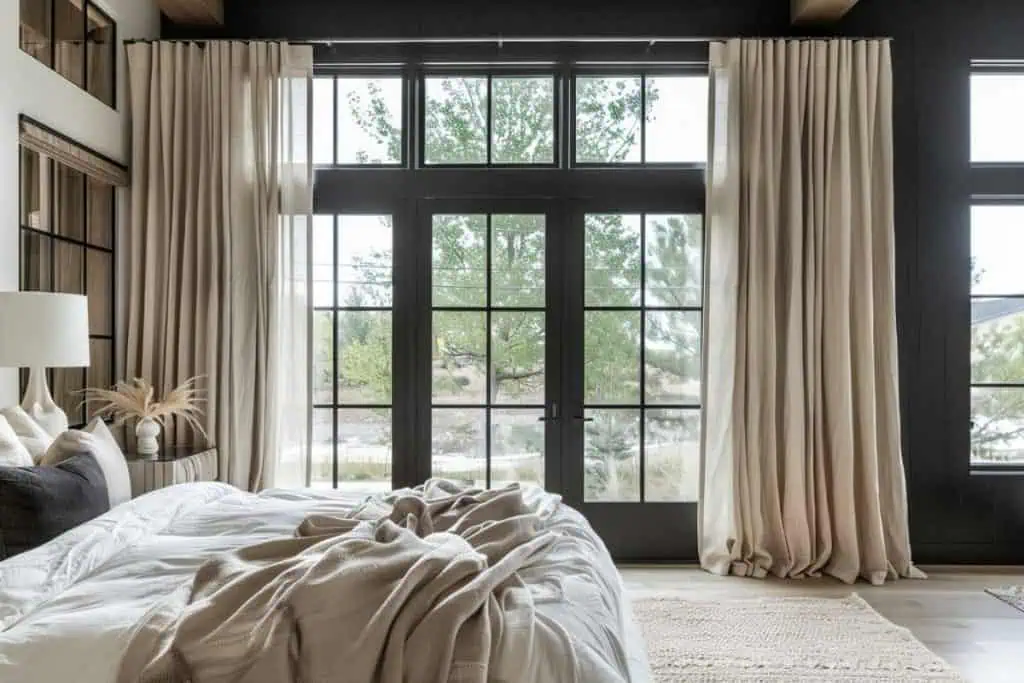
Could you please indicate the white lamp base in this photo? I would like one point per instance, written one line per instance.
(40, 405)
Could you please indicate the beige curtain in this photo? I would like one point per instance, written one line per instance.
(802, 466)
(220, 199)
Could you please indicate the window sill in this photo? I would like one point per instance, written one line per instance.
(997, 470)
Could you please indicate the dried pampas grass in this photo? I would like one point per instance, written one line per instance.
(134, 401)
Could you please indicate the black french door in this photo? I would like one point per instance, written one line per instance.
(634, 316)
(508, 265)
(564, 350)
(491, 361)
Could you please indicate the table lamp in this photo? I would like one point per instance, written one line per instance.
(40, 330)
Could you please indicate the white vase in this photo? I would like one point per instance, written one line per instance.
(147, 431)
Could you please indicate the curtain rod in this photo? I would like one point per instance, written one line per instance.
(501, 40)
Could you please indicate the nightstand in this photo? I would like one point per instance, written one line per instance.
(172, 465)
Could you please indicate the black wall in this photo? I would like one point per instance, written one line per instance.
(955, 516)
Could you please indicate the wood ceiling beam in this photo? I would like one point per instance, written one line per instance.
(205, 12)
(810, 11)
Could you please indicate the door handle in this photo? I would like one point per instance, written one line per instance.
(552, 414)
(583, 419)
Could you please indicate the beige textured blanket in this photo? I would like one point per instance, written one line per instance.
(408, 588)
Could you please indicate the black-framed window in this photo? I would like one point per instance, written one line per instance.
(358, 119)
(508, 116)
(485, 118)
(997, 279)
(76, 39)
(643, 309)
(663, 117)
(352, 327)
(488, 351)
(488, 177)
(67, 234)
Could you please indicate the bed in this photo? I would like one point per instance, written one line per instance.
(68, 609)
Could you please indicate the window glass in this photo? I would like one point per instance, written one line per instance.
(369, 120)
(523, 120)
(323, 121)
(100, 72)
(76, 39)
(677, 119)
(997, 335)
(352, 352)
(997, 242)
(69, 47)
(488, 360)
(456, 120)
(608, 119)
(35, 185)
(37, 29)
(69, 207)
(642, 357)
(997, 109)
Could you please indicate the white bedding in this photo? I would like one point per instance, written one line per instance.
(67, 608)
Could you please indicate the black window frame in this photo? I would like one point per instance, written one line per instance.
(87, 7)
(643, 72)
(490, 73)
(407, 192)
(336, 309)
(341, 71)
(643, 308)
(85, 247)
(993, 184)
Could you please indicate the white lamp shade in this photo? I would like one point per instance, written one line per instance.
(43, 330)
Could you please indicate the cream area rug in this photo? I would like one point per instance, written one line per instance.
(1011, 595)
(783, 640)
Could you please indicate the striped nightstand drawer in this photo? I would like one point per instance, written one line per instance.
(176, 465)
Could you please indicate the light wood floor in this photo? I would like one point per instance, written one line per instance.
(949, 612)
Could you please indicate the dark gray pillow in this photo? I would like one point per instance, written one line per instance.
(40, 503)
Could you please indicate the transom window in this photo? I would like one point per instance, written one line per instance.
(357, 120)
(641, 119)
(510, 119)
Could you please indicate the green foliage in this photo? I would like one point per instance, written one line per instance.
(608, 131)
(375, 117)
(997, 357)
(363, 368)
(997, 414)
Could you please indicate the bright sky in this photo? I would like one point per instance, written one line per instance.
(997, 135)
(359, 237)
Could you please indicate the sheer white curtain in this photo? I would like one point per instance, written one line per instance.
(221, 197)
(802, 468)
(289, 462)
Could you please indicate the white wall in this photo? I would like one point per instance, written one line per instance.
(28, 87)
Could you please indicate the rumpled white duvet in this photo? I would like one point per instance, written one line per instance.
(68, 608)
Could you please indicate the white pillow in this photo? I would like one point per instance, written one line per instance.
(95, 439)
(31, 433)
(12, 452)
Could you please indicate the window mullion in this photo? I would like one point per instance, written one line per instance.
(85, 45)
(643, 123)
(334, 342)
